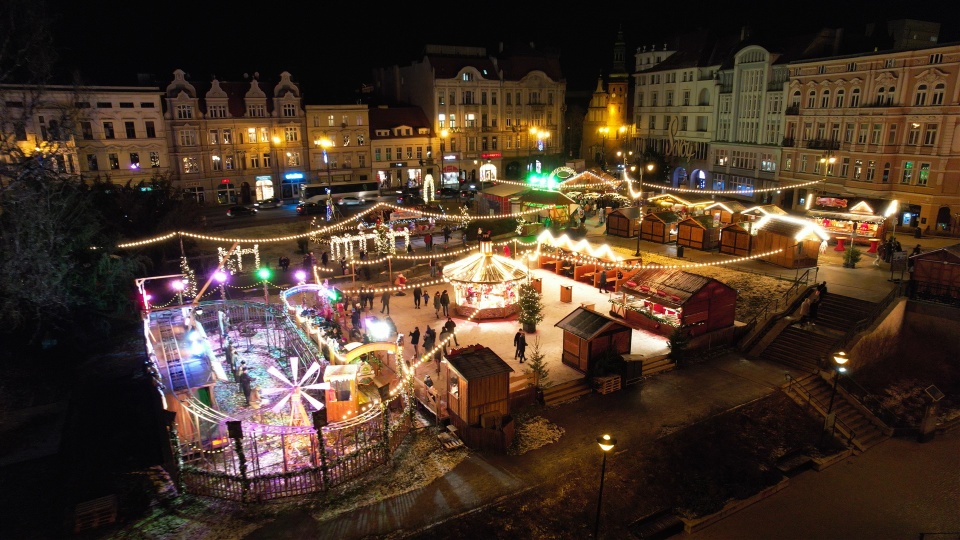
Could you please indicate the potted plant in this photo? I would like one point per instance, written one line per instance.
(531, 308)
(851, 257)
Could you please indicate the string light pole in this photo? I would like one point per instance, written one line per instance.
(606, 444)
(649, 167)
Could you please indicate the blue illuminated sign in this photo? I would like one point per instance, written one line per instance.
(294, 176)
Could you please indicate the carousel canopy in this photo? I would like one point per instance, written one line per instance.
(483, 268)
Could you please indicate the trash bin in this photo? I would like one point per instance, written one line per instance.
(566, 293)
(538, 284)
(679, 251)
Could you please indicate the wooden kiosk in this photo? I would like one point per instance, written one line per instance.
(342, 397)
(625, 222)
(662, 299)
(736, 240)
(478, 398)
(588, 335)
(936, 276)
(698, 232)
(798, 240)
(725, 212)
(656, 227)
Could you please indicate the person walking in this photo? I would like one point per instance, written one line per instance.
(385, 302)
(436, 304)
(520, 340)
(444, 339)
(324, 257)
(245, 381)
(343, 265)
(429, 339)
(823, 290)
(428, 241)
(445, 303)
(446, 235)
(426, 299)
(805, 312)
(506, 250)
(417, 296)
(602, 287)
(451, 327)
(415, 340)
(433, 267)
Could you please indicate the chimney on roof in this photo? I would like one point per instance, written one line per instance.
(744, 32)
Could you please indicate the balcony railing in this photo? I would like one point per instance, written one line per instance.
(787, 142)
(793, 110)
(823, 144)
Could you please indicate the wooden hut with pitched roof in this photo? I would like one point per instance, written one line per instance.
(794, 242)
(478, 398)
(663, 299)
(698, 232)
(659, 227)
(589, 335)
(936, 276)
(624, 221)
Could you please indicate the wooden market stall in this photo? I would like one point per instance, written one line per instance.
(698, 232)
(725, 212)
(478, 398)
(735, 239)
(553, 205)
(342, 396)
(663, 299)
(859, 223)
(499, 196)
(589, 335)
(659, 227)
(625, 222)
(795, 241)
(936, 276)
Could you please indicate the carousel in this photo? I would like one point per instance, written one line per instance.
(485, 285)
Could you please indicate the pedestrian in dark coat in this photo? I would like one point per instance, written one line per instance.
(426, 299)
(245, 381)
(417, 296)
(520, 340)
(451, 327)
(429, 339)
(445, 303)
(436, 304)
(446, 234)
(385, 302)
(602, 287)
(415, 340)
(324, 257)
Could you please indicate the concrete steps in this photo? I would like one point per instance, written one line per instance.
(842, 312)
(799, 349)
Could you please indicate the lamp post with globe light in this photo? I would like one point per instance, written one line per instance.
(301, 280)
(221, 278)
(606, 444)
(839, 360)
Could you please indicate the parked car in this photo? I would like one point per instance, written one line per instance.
(405, 199)
(239, 210)
(310, 208)
(350, 201)
(272, 202)
(450, 193)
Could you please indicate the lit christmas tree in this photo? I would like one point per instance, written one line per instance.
(386, 245)
(190, 287)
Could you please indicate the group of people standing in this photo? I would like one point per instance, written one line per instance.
(811, 305)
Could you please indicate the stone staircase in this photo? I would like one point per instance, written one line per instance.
(564, 392)
(841, 313)
(800, 349)
(853, 422)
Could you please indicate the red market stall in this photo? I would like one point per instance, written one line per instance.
(663, 299)
(860, 222)
(936, 276)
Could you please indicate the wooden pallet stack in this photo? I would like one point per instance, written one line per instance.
(605, 385)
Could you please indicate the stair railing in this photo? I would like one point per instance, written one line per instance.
(871, 402)
(821, 408)
(770, 308)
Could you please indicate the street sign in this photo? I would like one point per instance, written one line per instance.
(898, 261)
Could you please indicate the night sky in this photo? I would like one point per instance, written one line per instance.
(333, 52)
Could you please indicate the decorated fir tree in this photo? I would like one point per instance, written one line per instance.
(190, 285)
(531, 307)
(385, 242)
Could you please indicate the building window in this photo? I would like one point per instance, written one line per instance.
(892, 134)
(803, 163)
(886, 172)
(216, 163)
(291, 134)
(114, 160)
(907, 172)
(254, 161)
(686, 98)
(811, 99)
(844, 167)
(669, 98)
(913, 137)
(871, 170)
(683, 123)
(653, 122)
(855, 97)
(937, 98)
(936, 58)
(493, 143)
(267, 160)
(154, 160)
(188, 137)
(217, 111)
(920, 98)
(184, 112)
(930, 135)
(493, 98)
(228, 163)
(257, 111)
(92, 164)
(108, 131)
(293, 159)
(825, 99)
(857, 169)
(289, 110)
(847, 133)
(924, 174)
(213, 137)
(653, 99)
(190, 165)
(376, 155)
(875, 135)
(134, 160)
(839, 98)
(862, 134)
(151, 129)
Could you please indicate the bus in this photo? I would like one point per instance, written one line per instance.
(365, 191)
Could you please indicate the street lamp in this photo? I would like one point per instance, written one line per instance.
(604, 131)
(639, 196)
(839, 360)
(178, 285)
(606, 444)
(264, 274)
(826, 161)
(301, 280)
(221, 277)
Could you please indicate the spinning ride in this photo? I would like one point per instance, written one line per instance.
(485, 285)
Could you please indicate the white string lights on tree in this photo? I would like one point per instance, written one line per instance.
(190, 278)
(234, 263)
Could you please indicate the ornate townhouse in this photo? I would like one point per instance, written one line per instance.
(607, 126)
(96, 131)
(339, 143)
(237, 142)
(491, 116)
(400, 138)
(890, 121)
